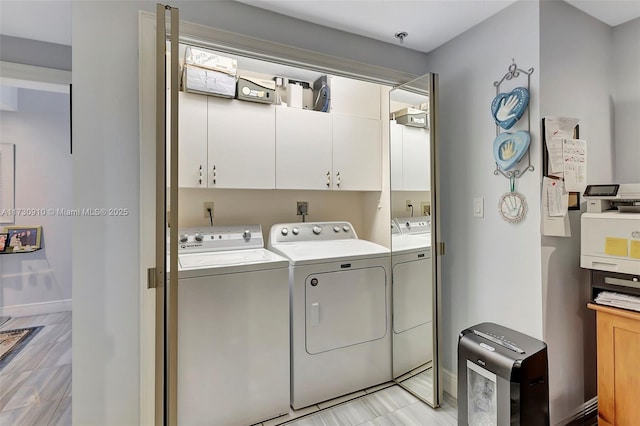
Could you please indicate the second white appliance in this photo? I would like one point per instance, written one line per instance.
(412, 294)
(340, 313)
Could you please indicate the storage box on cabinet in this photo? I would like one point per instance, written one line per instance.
(242, 144)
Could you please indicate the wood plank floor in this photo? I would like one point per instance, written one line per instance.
(35, 389)
(35, 386)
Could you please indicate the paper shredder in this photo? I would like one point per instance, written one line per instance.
(502, 378)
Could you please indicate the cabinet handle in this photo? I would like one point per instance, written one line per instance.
(328, 179)
(338, 179)
(200, 180)
(214, 174)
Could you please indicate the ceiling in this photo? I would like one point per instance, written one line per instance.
(429, 23)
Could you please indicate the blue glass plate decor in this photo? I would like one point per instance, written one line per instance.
(508, 108)
(509, 148)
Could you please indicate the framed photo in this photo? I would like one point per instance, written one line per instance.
(23, 238)
(4, 239)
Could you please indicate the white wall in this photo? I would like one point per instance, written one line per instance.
(40, 130)
(106, 326)
(582, 90)
(491, 268)
(626, 99)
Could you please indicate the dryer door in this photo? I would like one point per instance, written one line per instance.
(345, 308)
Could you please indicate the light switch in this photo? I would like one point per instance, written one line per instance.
(478, 207)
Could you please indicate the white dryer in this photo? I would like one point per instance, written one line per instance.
(340, 313)
(233, 327)
(412, 294)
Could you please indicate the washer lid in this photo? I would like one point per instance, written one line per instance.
(324, 251)
(406, 243)
(228, 262)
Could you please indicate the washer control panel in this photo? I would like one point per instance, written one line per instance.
(312, 231)
(414, 225)
(219, 238)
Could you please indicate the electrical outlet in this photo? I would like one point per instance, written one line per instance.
(302, 208)
(207, 205)
(409, 205)
(425, 208)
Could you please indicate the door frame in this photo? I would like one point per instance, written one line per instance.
(232, 43)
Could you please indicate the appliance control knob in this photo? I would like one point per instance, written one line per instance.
(246, 235)
(295, 231)
(346, 228)
(184, 238)
(408, 225)
(336, 229)
(317, 230)
(284, 231)
(198, 237)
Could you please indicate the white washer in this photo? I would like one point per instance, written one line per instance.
(340, 313)
(412, 294)
(233, 327)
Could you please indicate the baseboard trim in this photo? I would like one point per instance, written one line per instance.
(450, 382)
(36, 308)
(586, 409)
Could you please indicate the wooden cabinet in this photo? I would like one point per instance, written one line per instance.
(410, 158)
(192, 141)
(618, 334)
(241, 144)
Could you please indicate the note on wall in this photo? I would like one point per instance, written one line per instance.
(616, 247)
(574, 157)
(556, 225)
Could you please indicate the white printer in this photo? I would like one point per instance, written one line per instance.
(610, 231)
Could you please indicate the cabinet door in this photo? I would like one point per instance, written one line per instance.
(303, 149)
(242, 141)
(618, 372)
(416, 158)
(357, 153)
(192, 141)
(395, 143)
(354, 97)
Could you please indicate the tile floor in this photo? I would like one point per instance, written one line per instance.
(35, 389)
(35, 386)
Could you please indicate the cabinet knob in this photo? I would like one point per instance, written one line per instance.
(213, 172)
(338, 179)
(200, 180)
(328, 179)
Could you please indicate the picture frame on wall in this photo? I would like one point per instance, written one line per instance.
(4, 241)
(23, 238)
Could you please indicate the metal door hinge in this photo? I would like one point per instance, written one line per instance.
(151, 278)
(441, 248)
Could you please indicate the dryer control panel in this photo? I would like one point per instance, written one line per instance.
(219, 238)
(414, 225)
(311, 231)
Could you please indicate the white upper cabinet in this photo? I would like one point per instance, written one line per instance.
(192, 141)
(416, 159)
(241, 145)
(410, 158)
(354, 97)
(357, 153)
(303, 149)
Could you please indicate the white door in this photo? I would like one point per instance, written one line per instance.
(192, 140)
(395, 143)
(357, 153)
(303, 149)
(242, 144)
